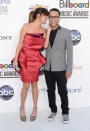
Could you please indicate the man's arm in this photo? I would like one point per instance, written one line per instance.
(69, 50)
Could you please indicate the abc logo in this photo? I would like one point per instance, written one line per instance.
(76, 36)
(6, 92)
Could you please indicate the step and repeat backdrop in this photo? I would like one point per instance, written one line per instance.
(74, 16)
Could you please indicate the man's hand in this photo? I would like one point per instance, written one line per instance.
(68, 74)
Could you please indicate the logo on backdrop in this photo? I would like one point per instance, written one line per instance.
(5, 37)
(77, 67)
(7, 71)
(6, 92)
(74, 8)
(75, 90)
(69, 90)
(76, 36)
(4, 6)
(37, 6)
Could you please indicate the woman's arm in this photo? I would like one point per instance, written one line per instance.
(47, 35)
(21, 38)
(20, 44)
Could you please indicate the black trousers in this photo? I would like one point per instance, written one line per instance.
(51, 79)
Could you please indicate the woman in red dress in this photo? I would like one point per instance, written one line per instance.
(33, 37)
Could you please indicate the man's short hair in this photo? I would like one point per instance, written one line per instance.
(55, 9)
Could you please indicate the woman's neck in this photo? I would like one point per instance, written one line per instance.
(37, 23)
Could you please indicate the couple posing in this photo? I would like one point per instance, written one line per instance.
(58, 63)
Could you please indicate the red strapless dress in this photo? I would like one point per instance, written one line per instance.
(30, 59)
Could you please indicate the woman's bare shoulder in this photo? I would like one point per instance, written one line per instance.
(26, 26)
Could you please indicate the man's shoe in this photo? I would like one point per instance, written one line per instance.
(51, 116)
(65, 118)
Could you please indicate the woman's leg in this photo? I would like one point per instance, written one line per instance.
(23, 97)
(35, 97)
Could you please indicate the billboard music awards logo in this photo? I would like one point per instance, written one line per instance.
(7, 71)
(4, 6)
(74, 8)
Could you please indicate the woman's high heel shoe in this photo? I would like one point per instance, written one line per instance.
(33, 116)
(22, 116)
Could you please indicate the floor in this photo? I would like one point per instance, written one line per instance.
(79, 121)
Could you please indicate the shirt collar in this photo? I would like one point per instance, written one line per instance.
(59, 27)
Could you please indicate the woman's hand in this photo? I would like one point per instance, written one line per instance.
(47, 36)
(49, 29)
(15, 63)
